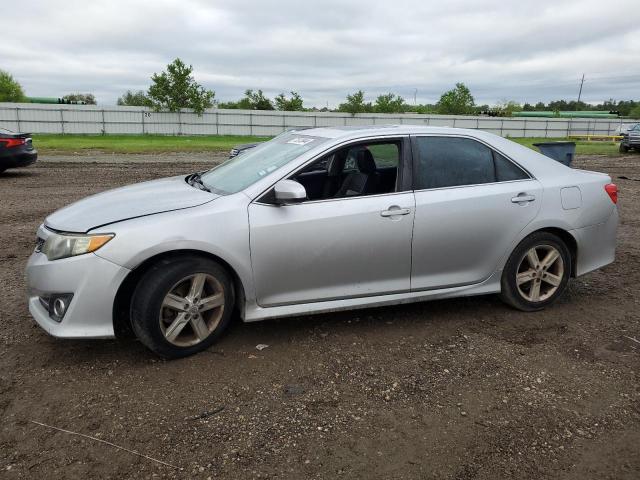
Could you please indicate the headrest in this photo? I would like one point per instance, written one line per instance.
(366, 163)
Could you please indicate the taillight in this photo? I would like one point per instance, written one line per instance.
(12, 142)
(612, 191)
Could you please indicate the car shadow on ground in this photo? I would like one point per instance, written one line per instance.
(19, 174)
(437, 318)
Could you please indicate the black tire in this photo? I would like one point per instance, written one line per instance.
(156, 283)
(513, 295)
(623, 148)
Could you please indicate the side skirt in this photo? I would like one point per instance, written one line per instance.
(254, 313)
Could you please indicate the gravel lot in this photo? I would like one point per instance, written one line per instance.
(456, 389)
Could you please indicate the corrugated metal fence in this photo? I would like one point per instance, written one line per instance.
(90, 119)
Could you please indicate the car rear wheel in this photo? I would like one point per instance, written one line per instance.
(536, 273)
(181, 306)
(623, 148)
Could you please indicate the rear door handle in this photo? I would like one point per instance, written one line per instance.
(523, 198)
(395, 210)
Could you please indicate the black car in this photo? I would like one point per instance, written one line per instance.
(16, 150)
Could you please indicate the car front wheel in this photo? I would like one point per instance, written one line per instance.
(536, 273)
(181, 306)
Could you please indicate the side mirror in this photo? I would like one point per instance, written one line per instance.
(289, 191)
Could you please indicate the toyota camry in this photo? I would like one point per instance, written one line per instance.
(320, 220)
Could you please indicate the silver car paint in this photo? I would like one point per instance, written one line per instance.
(93, 281)
(225, 226)
(122, 203)
(445, 253)
(331, 249)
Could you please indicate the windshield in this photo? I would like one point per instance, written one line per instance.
(247, 168)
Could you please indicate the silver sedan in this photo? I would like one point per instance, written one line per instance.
(316, 221)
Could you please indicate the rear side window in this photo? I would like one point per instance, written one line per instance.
(506, 170)
(450, 161)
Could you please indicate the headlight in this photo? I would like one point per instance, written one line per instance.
(58, 246)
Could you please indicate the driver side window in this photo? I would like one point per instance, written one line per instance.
(367, 168)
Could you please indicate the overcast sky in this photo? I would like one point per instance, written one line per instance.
(527, 51)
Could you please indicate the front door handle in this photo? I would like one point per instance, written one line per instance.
(395, 210)
(523, 198)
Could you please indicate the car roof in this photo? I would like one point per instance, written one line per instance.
(360, 131)
(536, 163)
(356, 131)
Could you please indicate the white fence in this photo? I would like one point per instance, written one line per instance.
(91, 119)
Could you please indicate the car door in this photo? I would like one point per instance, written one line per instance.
(333, 248)
(471, 203)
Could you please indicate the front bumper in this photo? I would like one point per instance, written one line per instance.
(631, 141)
(93, 281)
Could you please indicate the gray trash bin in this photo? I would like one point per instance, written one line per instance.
(562, 152)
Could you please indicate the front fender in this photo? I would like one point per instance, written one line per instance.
(219, 228)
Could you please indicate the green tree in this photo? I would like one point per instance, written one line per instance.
(10, 89)
(389, 103)
(505, 108)
(564, 105)
(625, 107)
(176, 88)
(81, 98)
(355, 104)
(293, 104)
(425, 109)
(255, 100)
(228, 105)
(457, 101)
(134, 99)
(635, 113)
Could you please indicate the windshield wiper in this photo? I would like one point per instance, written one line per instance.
(195, 179)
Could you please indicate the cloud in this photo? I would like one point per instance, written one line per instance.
(529, 50)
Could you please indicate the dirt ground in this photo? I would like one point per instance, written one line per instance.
(455, 389)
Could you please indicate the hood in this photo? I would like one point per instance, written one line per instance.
(129, 202)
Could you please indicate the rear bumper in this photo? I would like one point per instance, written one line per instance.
(596, 244)
(92, 280)
(18, 159)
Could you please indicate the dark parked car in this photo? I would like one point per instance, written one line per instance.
(16, 150)
(630, 139)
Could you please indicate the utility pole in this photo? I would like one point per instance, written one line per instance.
(415, 95)
(580, 92)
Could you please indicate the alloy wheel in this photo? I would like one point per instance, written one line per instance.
(192, 309)
(540, 273)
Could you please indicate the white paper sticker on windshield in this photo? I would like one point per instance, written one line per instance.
(301, 140)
